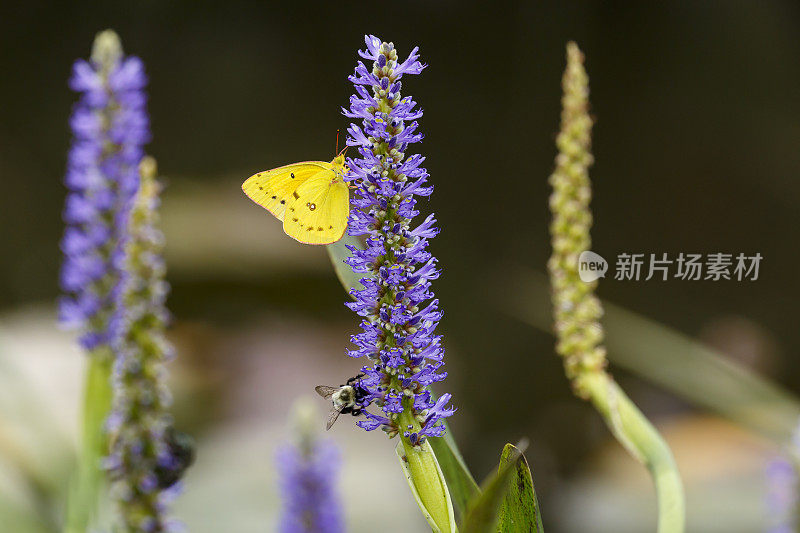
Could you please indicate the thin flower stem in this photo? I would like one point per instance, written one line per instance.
(642, 440)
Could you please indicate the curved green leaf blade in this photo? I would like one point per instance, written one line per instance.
(519, 512)
(483, 511)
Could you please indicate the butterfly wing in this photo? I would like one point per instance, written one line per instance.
(318, 214)
(273, 189)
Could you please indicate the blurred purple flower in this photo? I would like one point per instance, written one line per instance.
(308, 486)
(147, 455)
(782, 495)
(783, 489)
(398, 306)
(110, 126)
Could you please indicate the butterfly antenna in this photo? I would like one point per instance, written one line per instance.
(344, 150)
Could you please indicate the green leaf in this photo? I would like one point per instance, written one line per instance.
(483, 511)
(427, 484)
(338, 252)
(519, 512)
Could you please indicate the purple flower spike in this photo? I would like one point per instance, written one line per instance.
(110, 127)
(308, 470)
(397, 304)
(308, 484)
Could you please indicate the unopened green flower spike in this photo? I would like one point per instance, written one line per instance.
(577, 310)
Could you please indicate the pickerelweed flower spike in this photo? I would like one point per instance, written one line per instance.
(146, 456)
(110, 128)
(399, 311)
(308, 471)
(577, 310)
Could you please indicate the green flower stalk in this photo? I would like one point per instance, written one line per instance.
(577, 310)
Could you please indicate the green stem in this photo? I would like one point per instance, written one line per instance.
(86, 487)
(642, 440)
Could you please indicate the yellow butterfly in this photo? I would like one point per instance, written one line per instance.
(311, 198)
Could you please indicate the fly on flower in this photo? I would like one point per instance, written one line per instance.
(310, 198)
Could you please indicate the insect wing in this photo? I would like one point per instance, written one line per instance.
(319, 212)
(274, 189)
(333, 415)
(325, 391)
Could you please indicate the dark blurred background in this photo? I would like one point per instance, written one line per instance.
(696, 145)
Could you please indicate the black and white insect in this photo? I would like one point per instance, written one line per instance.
(181, 454)
(181, 448)
(346, 398)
